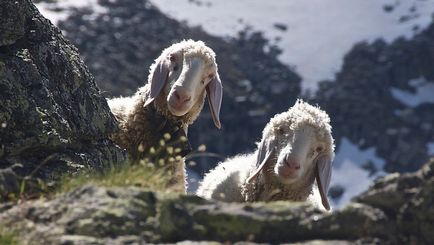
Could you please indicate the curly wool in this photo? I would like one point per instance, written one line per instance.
(228, 181)
(139, 130)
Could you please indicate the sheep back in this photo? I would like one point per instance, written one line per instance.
(225, 181)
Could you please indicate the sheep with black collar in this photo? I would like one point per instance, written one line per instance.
(171, 100)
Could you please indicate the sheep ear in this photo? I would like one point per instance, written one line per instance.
(265, 151)
(323, 174)
(158, 79)
(214, 90)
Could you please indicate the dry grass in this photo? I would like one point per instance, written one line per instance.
(144, 175)
(8, 237)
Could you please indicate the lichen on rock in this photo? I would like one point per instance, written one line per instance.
(53, 119)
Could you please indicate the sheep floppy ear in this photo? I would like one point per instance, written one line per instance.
(158, 79)
(323, 173)
(265, 151)
(214, 90)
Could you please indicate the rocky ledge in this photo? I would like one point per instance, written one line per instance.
(396, 209)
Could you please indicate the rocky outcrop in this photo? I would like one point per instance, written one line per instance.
(364, 109)
(53, 119)
(396, 210)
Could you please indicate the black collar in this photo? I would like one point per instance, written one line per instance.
(175, 128)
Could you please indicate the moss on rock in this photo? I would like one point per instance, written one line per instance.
(53, 118)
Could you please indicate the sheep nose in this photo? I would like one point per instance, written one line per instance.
(292, 163)
(182, 96)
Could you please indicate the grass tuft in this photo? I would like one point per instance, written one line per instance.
(144, 175)
(8, 237)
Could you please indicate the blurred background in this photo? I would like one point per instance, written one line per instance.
(368, 63)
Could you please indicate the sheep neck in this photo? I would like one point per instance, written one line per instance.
(175, 128)
(147, 128)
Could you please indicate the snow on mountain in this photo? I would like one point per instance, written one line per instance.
(431, 149)
(314, 35)
(424, 93)
(354, 170)
(59, 10)
(193, 179)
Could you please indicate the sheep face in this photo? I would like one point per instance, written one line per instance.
(296, 151)
(188, 77)
(185, 71)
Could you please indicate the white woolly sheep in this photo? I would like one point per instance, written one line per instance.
(170, 101)
(296, 148)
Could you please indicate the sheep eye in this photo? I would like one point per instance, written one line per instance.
(319, 149)
(175, 67)
(210, 76)
(172, 58)
(280, 131)
(203, 81)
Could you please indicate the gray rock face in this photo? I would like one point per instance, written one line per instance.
(396, 210)
(53, 119)
(12, 26)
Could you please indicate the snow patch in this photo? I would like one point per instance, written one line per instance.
(193, 179)
(348, 171)
(314, 35)
(424, 93)
(60, 10)
(430, 149)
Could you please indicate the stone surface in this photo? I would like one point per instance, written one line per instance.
(53, 119)
(98, 215)
(12, 26)
(92, 214)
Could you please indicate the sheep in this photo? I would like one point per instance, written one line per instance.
(170, 101)
(296, 148)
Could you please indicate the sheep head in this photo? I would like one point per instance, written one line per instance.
(186, 70)
(297, 147)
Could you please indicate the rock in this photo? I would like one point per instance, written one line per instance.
(408, 199)
(12, 26)
(99, 215)
(53, 118)
(9, 181)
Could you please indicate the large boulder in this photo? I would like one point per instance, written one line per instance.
(53, 119)
(397, 209)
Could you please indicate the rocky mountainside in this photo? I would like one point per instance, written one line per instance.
(53, 119)
(367, 107)
(396, 210)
